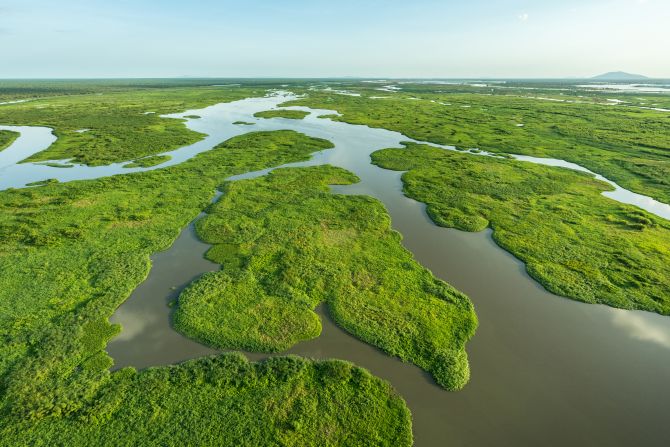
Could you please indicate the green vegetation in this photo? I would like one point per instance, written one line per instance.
(227, 401)
(288, 114)
(7, 137)
(243, 123)
(630, 146)
(13, 89)
(148, 162)
(49, 181)
(119, 128)
(286, 244)
(71, 253)
(52, 164)
(575, 241)
(193, 117)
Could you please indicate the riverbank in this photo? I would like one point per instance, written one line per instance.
(7, 137)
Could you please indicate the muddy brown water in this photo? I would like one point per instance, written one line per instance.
(546, 370)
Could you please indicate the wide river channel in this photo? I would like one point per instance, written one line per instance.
(546, 370)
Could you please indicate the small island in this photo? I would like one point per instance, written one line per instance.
(53, 164)
(288, 114)
(148, 162)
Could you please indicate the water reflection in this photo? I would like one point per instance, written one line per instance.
(134, 324)
(648, 328)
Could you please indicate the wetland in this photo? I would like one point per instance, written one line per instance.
(535, 358)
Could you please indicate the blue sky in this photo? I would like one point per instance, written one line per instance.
(300, 38)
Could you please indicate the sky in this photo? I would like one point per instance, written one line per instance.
(333, 38)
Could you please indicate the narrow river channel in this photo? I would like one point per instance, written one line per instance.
(545, 370)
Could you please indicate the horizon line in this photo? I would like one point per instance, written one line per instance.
(390, 78)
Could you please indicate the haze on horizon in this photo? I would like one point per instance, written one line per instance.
(319, 38)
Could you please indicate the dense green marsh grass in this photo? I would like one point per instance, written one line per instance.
(286, 244)
(120, 129)
(71, 253)
(7, 137)
(147, 162)
(228, 401)
(574, 241)
(288, 114)
(13, 89)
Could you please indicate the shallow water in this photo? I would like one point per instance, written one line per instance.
(18, 101)
(147, 338)
(623, 87)
(619, 194)
(545, 370)
(32, 140)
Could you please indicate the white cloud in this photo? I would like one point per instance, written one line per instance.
(524, 17)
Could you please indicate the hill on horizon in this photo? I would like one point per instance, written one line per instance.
(619, 76)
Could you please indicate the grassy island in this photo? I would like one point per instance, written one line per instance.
(286, 244)
(280, 113)
(574, 241)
